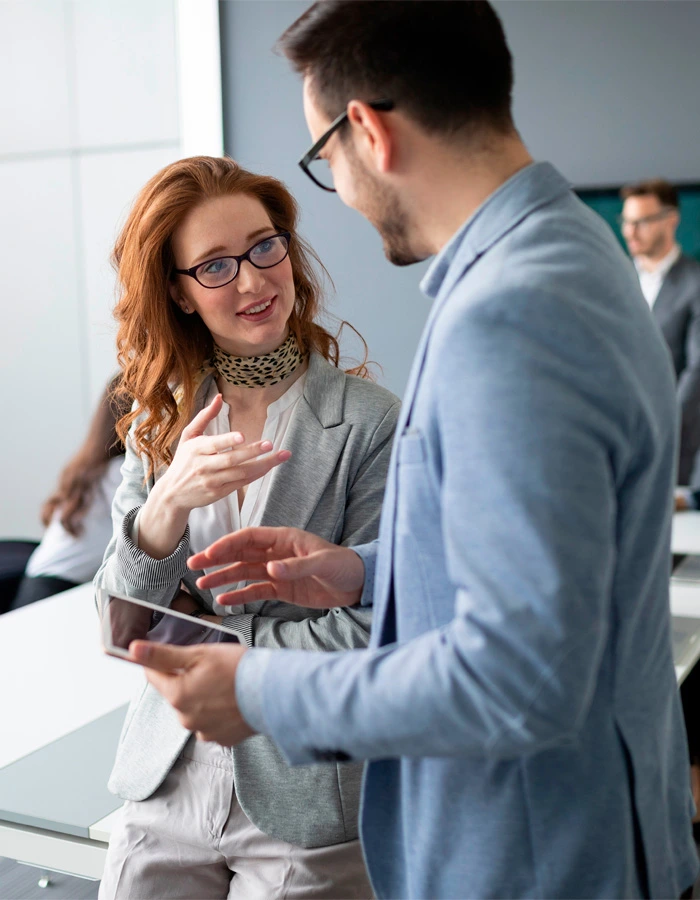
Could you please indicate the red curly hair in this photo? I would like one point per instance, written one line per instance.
(157, 343)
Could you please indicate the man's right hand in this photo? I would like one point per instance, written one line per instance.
(285, 564)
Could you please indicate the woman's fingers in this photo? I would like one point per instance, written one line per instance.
(229, 456)
(227, 477)
(222, 443)
(202, 419)
(247, 472)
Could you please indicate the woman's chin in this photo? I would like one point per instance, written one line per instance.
(263, 341)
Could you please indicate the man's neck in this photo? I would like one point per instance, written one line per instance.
(454, 186)
(652, 263)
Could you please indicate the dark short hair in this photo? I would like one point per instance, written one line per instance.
(445, 64)
(663, 190)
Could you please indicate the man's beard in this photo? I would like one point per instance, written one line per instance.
(382, 208)
(654, 247)
(391, 222)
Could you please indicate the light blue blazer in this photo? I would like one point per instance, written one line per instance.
(518, 700)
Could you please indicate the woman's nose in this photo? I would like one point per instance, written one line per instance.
(250, 279)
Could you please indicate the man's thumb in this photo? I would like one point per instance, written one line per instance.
(297, 567)
(162, 657)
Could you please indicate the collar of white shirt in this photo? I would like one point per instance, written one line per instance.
(650, 282)
(662, 268)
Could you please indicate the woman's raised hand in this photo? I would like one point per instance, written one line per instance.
(205, 469)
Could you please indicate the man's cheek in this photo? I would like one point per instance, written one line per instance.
(347, 191)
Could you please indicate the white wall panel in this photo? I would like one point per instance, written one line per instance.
(34, 112)
(41, 384)
(109, 182)
(88, 112)
(126, 71)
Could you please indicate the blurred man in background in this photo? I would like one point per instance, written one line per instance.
(670, 282)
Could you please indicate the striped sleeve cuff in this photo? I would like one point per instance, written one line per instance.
(241, 626)
(143, 572)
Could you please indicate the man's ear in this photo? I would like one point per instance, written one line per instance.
(177, 297)
(375, 139)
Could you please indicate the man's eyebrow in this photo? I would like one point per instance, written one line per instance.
(214, 250)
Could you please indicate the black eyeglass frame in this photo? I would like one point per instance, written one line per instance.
(312, 154)
(192, 271)
(646, 220)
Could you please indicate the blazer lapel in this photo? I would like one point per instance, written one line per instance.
(527, 191)
(666, 300)
(316, 437)
(383, 574)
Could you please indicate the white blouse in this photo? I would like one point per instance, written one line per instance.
(208, 523)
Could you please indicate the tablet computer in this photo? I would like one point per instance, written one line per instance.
(126, 619)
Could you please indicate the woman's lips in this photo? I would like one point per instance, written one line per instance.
(264, 309)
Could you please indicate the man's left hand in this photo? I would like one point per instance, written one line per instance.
(200, 684)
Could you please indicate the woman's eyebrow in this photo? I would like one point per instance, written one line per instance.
(254, 234)
(207, 255)
(210, 253)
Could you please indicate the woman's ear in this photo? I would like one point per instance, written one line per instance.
(177, 298)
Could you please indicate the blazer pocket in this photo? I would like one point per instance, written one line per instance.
(412, 449)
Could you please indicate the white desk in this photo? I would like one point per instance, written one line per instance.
(685, 537)
(685, 605)
(57, 681)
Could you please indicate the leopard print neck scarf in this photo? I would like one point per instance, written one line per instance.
(259, 371)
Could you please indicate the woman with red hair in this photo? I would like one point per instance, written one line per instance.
(242, 417)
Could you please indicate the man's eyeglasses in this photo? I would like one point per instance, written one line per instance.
(645, 220)
(314, 165)
(214, 273)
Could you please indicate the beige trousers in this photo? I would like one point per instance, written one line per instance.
(192, 841)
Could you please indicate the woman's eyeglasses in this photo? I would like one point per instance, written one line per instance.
(214, 273)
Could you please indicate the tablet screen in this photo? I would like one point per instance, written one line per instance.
(125, 619)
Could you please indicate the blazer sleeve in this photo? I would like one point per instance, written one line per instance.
(515, 669)
(347, 627)
(689, 383)
(125, 567)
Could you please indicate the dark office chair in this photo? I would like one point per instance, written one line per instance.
(13, 560)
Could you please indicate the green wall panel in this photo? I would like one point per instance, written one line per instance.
(606, 202)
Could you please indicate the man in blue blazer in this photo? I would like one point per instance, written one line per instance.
(518, 702)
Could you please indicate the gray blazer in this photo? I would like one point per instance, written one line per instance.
(677, 312)
(340, 437)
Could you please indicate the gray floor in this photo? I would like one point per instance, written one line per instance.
(18, 882)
